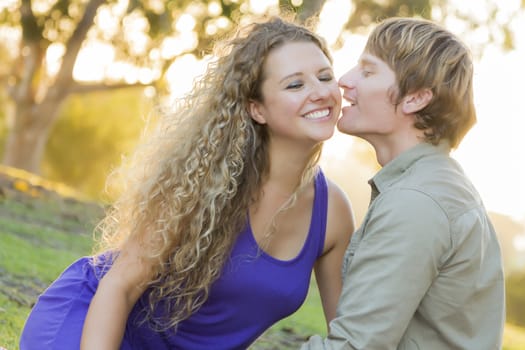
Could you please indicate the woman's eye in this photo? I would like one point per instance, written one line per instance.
(295, 85)
(326, 78)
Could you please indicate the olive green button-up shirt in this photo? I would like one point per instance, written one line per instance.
(424, 270)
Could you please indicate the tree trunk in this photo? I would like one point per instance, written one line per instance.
(310, 8)
(35, 113)
(307, 9)
(26, 140)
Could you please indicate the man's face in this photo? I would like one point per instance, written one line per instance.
(369, 88)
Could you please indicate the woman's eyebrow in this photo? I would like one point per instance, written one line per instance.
(293, 75)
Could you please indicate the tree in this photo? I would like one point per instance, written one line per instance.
(144, 36)
(493, 24)
(37, 93)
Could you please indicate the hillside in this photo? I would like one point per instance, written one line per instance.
(46, 226)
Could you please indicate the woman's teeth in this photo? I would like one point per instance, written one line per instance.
(317, 114)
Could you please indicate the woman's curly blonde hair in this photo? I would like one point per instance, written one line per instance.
(188, 189)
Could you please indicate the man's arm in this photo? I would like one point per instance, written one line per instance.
(394, 263)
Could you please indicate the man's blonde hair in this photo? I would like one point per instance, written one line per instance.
(423, 55)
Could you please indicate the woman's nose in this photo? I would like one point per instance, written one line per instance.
(321, 90)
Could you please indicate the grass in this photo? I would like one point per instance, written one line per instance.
(41, 235)
(27, 266)
(513, 338)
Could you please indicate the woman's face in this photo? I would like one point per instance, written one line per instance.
(300, 97)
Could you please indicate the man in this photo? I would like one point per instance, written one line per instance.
(424, 270)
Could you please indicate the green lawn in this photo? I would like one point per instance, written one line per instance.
(27, 265)
(39, 238)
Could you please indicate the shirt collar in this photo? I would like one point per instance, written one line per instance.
(397, 166)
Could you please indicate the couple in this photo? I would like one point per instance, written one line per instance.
(226, 211)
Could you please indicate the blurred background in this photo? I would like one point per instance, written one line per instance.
(79, 80)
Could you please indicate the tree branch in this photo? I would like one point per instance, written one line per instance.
(77, 88)
(29, 61)
(73, 45)
(31, 32)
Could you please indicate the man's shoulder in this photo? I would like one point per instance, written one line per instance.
(444, 181)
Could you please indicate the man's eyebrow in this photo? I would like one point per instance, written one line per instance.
(366, 62)
(322, 70)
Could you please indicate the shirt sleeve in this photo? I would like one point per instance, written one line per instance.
(403, 242)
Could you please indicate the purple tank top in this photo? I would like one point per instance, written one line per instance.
(253, 292)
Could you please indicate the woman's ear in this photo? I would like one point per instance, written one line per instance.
(414, 102)
(255, 110)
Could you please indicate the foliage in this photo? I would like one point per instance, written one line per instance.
(139, 39)
(142, 39)
(89, 138)
(3, 121)
(515, 284)
(497, 27)
(149, 34)
(368, 12)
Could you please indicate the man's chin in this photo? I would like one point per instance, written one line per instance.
(345, 128)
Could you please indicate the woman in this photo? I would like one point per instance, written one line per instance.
(225, 214)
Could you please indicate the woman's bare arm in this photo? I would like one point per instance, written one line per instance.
(117, 293)
(339, 228)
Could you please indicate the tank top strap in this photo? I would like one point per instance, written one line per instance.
(319, 212)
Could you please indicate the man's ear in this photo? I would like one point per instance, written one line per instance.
(414, 102)
(255, 110)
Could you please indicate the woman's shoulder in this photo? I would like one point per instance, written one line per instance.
(337, 197)
(340, 221)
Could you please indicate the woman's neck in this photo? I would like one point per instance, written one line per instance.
(287, 166)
